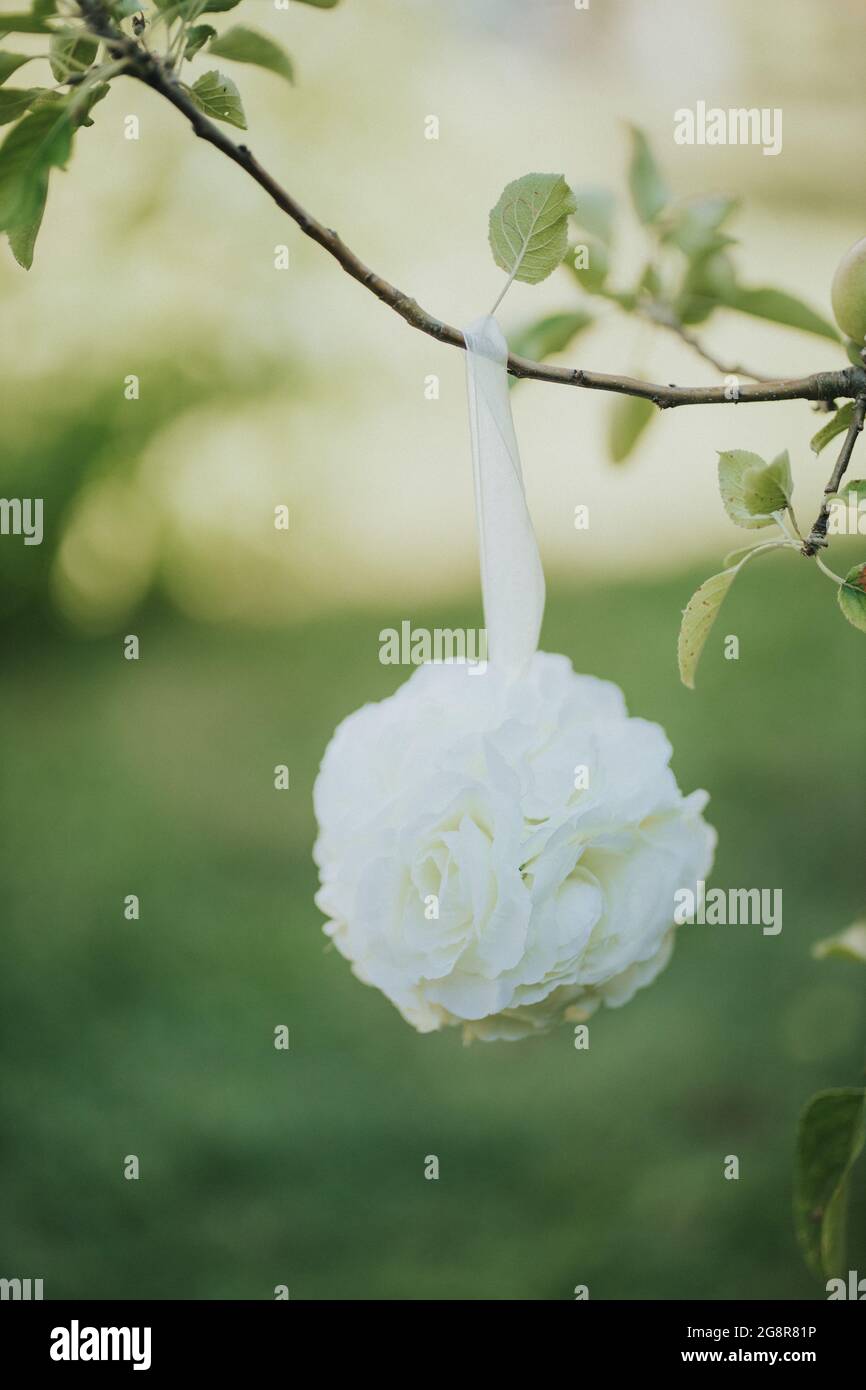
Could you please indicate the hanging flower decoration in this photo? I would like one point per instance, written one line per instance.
(502, 850)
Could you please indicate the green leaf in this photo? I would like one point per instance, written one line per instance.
(529, 226)
(591, 276)
(14, 101)
(71, 52)
(837, 424)
(699, 615)
(124, 8)
(246, 46)
(627, 420)
(829, 1141)
(218, 97)
(694, 225)
(321, 4)
(709, 278)
(649, 191)
(216, 6)
(11, 62)
(22, 240)
(545, 336)
(81, 112)
(595, 211)
(852, 596)
(778, 307)
(24, 24)
(751, 489)
(197, 37)
(849, 944)
(702, 610)
(768, 490)
(855, 488)
(35, 146)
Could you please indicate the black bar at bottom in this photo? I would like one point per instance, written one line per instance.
(156, 1338)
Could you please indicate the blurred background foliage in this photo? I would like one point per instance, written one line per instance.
(259, 388)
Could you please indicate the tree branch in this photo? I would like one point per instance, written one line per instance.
(147, 68)
(817, 537)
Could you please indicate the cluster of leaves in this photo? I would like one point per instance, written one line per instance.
(689, 273)
(756, 494)
(45, 120)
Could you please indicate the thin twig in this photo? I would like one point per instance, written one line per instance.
(657, 314)
(817, 537)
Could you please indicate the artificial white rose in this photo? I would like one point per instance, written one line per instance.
(467, 876)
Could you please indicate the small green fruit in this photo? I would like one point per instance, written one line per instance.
(849, 292)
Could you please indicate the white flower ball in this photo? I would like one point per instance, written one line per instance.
(504, 854)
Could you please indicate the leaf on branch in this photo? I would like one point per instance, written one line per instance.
(38, 144)
(778, 307)
(852, 596)
(11, 62)
(709, 278)
(856, 488)
(649, 191)
(321, 4)
(837, 424)
(24, 24)
(589, 263)
(22, 239)
(829, 1141)
(218, 97)
(769, 490)
(702, 610)
(849, 944)
(246, 46)
(14, 101)
(693, 225)
(70, 53)
(81, 113)
(42, 141)
(751, 489)
(529, 226)
(197, 37)
(629, 416)
(217, 6)
(699, 615)
(546, 336)
(595, 210)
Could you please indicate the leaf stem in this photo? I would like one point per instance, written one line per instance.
(825, 569)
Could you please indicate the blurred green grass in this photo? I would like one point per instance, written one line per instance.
(305, 1168)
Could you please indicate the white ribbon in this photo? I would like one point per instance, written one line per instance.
(512, 580)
